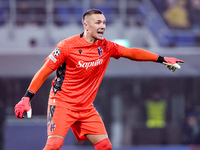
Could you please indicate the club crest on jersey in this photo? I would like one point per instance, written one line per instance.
(56, 52)
(100, 51)
(52, 127)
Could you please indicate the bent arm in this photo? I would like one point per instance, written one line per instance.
(39, 78)
(139, 54)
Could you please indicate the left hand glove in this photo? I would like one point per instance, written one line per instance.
(172, 63)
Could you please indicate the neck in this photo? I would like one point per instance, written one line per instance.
(88, 38)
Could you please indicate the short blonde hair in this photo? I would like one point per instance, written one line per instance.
(90, 12)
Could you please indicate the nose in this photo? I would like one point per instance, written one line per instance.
(103, 25)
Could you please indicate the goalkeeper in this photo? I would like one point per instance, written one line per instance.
(80, 63)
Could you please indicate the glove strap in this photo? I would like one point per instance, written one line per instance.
(160, 59)
(29, 94)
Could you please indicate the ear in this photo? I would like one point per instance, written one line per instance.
(85, 25)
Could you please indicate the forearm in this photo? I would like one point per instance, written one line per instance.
(39, 78)
(139, 54)
(36, 82)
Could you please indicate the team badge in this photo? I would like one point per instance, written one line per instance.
(56, 52)
(52, 127)
(100, 51)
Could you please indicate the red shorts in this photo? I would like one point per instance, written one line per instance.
(60, 119)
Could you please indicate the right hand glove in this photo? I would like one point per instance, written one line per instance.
(22, 106)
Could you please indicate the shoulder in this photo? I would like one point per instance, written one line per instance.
(107, 43)
(69, 41)
(110, 44)
(72, 38)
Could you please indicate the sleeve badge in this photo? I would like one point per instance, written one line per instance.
(56, 52)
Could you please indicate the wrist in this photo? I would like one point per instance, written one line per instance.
(29, 94)
(160, 59)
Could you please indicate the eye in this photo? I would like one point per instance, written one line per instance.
(98, 22)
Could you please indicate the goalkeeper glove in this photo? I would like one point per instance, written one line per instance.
(24, 105)
(170, 62)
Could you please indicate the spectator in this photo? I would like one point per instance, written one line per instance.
(156, 111)
(155, 118)
(176, 15)
(191, 130)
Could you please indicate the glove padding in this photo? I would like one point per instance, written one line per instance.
(22, 106)
(172, 63)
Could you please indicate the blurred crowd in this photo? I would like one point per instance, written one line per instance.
(179, 14)
(62, 12)
(35, 11)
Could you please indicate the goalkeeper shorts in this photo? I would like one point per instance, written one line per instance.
(60, 119)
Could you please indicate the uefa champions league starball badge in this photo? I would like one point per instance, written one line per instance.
(56, 52)
(100, 51)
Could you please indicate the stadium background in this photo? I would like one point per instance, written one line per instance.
(29, 31)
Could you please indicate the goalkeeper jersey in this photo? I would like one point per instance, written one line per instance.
(80, 67)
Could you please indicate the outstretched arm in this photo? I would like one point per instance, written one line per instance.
(37, 81)
(139, 54)
(144, 55)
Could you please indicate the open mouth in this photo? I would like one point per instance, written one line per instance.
(99, 32)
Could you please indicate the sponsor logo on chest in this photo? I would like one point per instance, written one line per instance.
(86, 65)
